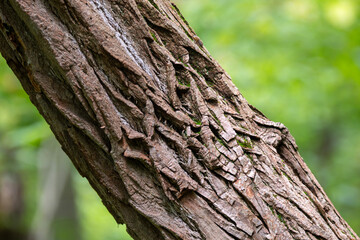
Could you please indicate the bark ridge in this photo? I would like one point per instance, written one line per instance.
(157, 126)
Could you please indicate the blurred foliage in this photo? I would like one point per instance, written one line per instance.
(297, 61)
(97, 222)
(22, 132)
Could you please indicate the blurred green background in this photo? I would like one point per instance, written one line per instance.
(297, 61)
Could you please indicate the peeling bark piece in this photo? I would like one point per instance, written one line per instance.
(157, 127)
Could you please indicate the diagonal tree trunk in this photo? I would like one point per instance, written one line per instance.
(157, 126)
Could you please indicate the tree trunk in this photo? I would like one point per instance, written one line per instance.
(157, 126)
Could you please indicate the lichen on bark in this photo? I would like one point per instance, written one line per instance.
(157, 126)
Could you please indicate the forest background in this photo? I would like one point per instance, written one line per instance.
(297, 61)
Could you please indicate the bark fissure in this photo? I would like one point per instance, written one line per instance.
(157, 126)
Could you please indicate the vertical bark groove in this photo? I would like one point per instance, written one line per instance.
(157, 126)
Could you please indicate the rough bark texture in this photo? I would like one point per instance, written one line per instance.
(157, 126)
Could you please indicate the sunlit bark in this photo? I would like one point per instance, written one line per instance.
(157, 126)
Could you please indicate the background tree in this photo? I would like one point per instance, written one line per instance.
(215, 118)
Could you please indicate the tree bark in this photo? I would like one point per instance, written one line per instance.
(157, 126)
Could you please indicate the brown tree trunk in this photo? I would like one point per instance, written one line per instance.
(157, 126)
